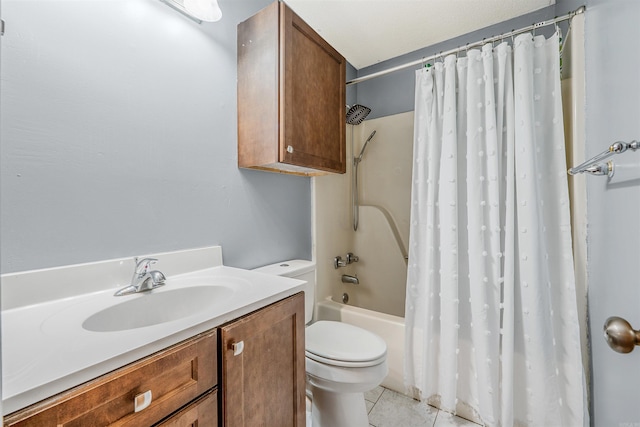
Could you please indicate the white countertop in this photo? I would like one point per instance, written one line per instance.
(45, 350)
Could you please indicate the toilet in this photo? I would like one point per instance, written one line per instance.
(342, 360)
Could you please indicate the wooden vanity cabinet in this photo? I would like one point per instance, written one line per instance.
(263, 367)
(176, 377)
(261, 361)
(291, 96)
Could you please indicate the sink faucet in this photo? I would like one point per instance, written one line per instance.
(143, 279)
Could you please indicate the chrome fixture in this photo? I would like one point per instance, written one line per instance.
(354, 190)
(143, 279)
(345, 298)
(357, 114)
(364, 147)
(347, 278)
(593, 165)
(352, 258)
(339, 262)
(197, 10)
(620, 336)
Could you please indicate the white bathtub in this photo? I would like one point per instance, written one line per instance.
(388, 327)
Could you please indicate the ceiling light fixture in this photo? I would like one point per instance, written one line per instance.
(197, 10)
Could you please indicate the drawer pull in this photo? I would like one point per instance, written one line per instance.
(237, 347)
(142, 401)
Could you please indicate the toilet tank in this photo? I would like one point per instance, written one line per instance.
(297, 269)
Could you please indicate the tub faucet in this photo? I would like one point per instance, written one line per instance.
(143, 279)
(347, 278)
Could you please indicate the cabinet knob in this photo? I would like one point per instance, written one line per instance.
(289, 149)
(142, 401)
(237, 347)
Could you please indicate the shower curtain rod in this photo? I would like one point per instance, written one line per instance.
(468, 46)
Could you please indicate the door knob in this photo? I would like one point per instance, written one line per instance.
(620, 336)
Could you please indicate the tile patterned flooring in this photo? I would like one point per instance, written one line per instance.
(388, 408)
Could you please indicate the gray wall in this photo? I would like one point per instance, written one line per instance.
(118, 137)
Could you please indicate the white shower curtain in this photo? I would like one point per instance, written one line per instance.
(491, 319)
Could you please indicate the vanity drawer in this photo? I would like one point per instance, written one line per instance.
(175, 376)
(201, 413)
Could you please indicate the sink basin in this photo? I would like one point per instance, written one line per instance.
(153, 308)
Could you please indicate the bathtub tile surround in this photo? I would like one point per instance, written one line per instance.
(392, 409)
(384, 181)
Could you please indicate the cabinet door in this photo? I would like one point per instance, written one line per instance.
(313, 98)
(263, 370)
(291, 96)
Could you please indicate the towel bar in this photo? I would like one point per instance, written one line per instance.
(593, 165)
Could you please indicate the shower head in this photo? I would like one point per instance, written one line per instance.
(357, 114)
(359, 158)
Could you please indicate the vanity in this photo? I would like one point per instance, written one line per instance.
(214, 346)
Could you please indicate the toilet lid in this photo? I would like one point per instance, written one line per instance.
(336, 342)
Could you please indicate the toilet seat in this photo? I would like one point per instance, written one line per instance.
(341, 344)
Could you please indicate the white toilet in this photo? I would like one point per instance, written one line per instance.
(342, 361)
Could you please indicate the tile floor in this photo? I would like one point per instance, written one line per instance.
(388, 408)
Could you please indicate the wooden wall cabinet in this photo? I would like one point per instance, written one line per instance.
(263, 367)
(291, 96)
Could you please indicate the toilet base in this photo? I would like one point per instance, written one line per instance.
(331, 409)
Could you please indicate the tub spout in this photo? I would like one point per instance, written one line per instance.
(346, 278)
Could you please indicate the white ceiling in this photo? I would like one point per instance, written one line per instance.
(369, 31)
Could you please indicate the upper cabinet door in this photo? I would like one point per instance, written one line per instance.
(291, 96)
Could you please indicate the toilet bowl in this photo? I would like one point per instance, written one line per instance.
(342, 361)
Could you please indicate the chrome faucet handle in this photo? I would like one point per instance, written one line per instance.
(157, 278)
(352, 258)
(143, 265)
(339, 262)
(153, 279)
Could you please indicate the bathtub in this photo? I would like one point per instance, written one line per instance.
(388, 327)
